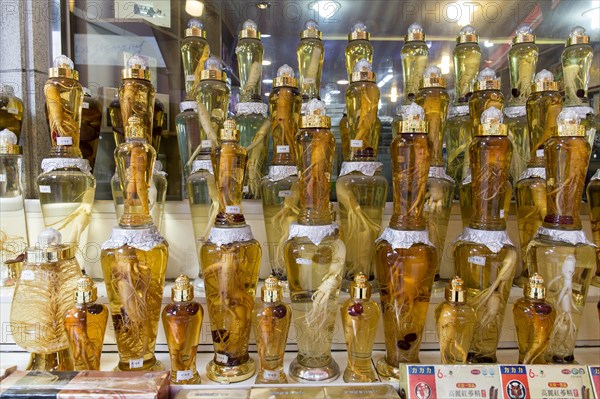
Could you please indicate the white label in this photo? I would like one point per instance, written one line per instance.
(232, 209)
(309, 81)
(303, 261)
(12, 110)
(246, 190)
(206, 144)
(45, 189)
(64, 141)
(285, 193)
(501, 213)
(190, 78)
(136, 363)
(539, 153)
(27, 275)
(271, 375)
(577, 287)
(356, 143)
(477, 260)
(85, 105)
(2, 178)
(221, 358)
(185, 375)
(283, 149)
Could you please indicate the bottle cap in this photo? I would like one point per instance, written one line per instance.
(249, 30)
(188, 105)
(535, 289)
(8, 143)
(433, 78)
(137, 68)
(487, 80)
(360, 287)
(524, 34)
(491, 123)
(467, 35)
(568, 124)
(182, 290)
(271, 290)
(213, 70)
(229, 130)
(455, 290)
(315, 115)
(312, 30)
(415, 33)
(86, 291)
(285, 77)
(544, 81)
(63, 67)
(413, 119)
(134, 128)
(359, 32)
(363, 72)
(195, 28)
(49, 248)
(577, 36)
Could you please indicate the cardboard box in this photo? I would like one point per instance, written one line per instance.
(213, 394)
(375, 391)
(558, 381)
(288, 393)
(595, 377)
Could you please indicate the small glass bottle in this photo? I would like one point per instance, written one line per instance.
(213, 104)
(11, 110)
(534, 319)
(311, 53)
(560, 251)
(42, 297)
(484, 256)
(576, 61)
(136, 94)
(13, 226)
(187, 124)
(194, 53)
(91, 121)
(249, 51)
(85, 323)
(359, 47)
(414, 61)
(360, 319)
(271, 320)
(455, 323)
(182, 321)
(405, 257)
(593, 199)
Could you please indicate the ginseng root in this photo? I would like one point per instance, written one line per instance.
(564, 333)
(73, 226)
(62, 123)
(206, 124)
(253, 76)
(287, 215)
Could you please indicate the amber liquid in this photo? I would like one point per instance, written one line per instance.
(438, 205)
(576, 65)
(137, 99)
(284, 104)
(479, 102)
(249, 56)
(355, 51)
(467, 58)
(229, 164)
(213, 95)
(311, 53)
(11, 114)
(534, 319)
(518, 134)
(271, 326)
(64, 97)
(251, 128)
(414, 61)
(194, 53)
(85, 325)
(542, 110)
(457, 135)
(455, 324)
(435, 102)
(593, 197)
(360, 144)
(522, 59)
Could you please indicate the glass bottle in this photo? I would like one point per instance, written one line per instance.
(230, 261)
(314, 253)
(158, 124)
(434, 99)
(182, 321)
(593, 198)
(455, 323)
(43, 294)
(414, 61)
(311, 53)
(279, 189)
(359, 47)
(560, 251)
(11, 110)
(194, 53)
(136, 95)
(249, 51)
(187, 124)
(405, 257)
(484, 256)
(91, 121)
(253, 125)
(85, 324)
(360, 319)
(116, 119)
(543, 106)
(360, 187)
(271, 320)
(13, 226)
(134, 259)
(534, 318)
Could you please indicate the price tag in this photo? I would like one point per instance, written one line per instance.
(2, 177)
(356, 143)
(206, 144)
(185, 375)
(285, 193)
(221, 358)
(232, 209)
(309, 81)
(539, 153)
(12, 110)
(136, 363)
(190, 78)
(283, 149)
(27, 275)
(477, 260)
(64, 141)
(271, 375)
(303, 261)
(501, 213)
(85, 105)
(44, 189)
(246, 190)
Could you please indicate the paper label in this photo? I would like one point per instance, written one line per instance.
(85, 105)
(64, 141)
(558, 381)
(206, 144)
(2, 178)
(466, 381)
(356, 143)
(185, 375)
(44, 189)
(27, 275)
(221, 358)
(477, 260)
(246, 190)
(283, 149)
(576, 287)
(232, 209)
(303, 261)
(501, 213)
(309, 81)
(285, 193)
(190, 78)
(271, 375)
(136, 363)
(12, 110)
(539, 153)
(514, 382)
(421, 382)
(595, 376)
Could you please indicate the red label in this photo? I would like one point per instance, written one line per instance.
(466, 385)
(558, 385)
(595, 374)
(475, 372)
(514, 382)
(565, 371)
(421, 382)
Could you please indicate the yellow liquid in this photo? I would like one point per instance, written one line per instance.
(271, 326)
(194, 53)
(440, 193)
(136, 97)
(534, 320)
(593, 196)
(250, 55)
(458, 136)
(86, 325)
(311, 53)
(355, 51)
(455, 324)
(64, 97)
(518, 133)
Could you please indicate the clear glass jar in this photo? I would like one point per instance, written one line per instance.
(194, 53)
(311, 53)
(136, 96)
(414, 55)
(576, 62)
(253, 125)
(116, 120)
(91, 121)
(249, 51)
(359, 47)
(213, 101)
(467, 58)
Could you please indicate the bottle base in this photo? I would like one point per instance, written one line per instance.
(57, 361)
(151, 364)
(193, 380)
(228, 374)
(386, 371)
(353, 376)
(307, 375)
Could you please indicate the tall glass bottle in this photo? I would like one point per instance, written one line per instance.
(405, 257)
(230, 261)
(136, 95)
(187, 124)
(593, 198)
(359, 47)
(560, 251)
(116, 119)
(11, 110)
(414, 61)
(279, 189)
(66, 186)
(13, 226)
(543, 106)
(311, 53)
(360, 187)
(249, 51)
(91, 121)
(484, 256)
(522, 61)
(85, 323)
(134, 259)
(434, 99)
(271, 319)
(43, 294)
(182, 321)
(458, 133)
(194, 53)
(314, 253)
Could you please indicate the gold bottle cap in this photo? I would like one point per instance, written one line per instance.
(535, 289)
(137, 68)
(363, 72)
(491, 123)
(315, 115)
(544, 81)
(577, 36)
(8, 143)
(568, 124)
(433, 78)
(49, 248)
(467, 35)
(413, 119)
(312, 31)
(359, 32)
(360, 288)
(487, 80)
(63, 67)
(195, 28)
(86, 291)
(455, 290)
(271, 290)
(415, 33)
(524, 34)
(249, 30)
(229, 131)
(213, 70)
(182, 290)
(135, 129)
(285, 77)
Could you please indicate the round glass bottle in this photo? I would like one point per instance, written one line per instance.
(576, 61)
(194, 53)
(311, 53)
(414, 61)
(11, 110)
(213, 103)
(136, 94)
(359, 47)
(91, 121)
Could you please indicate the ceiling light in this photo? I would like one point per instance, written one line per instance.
(266, 62)
(263, 35)
(594, 14)
(263, 5)
(385, 80)
(325, 8)
(267, 81)
(194, 8)
(445, 64)
(394, 94)
(461, 12)
(487, 43)
(342, 82)
(267, 94)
